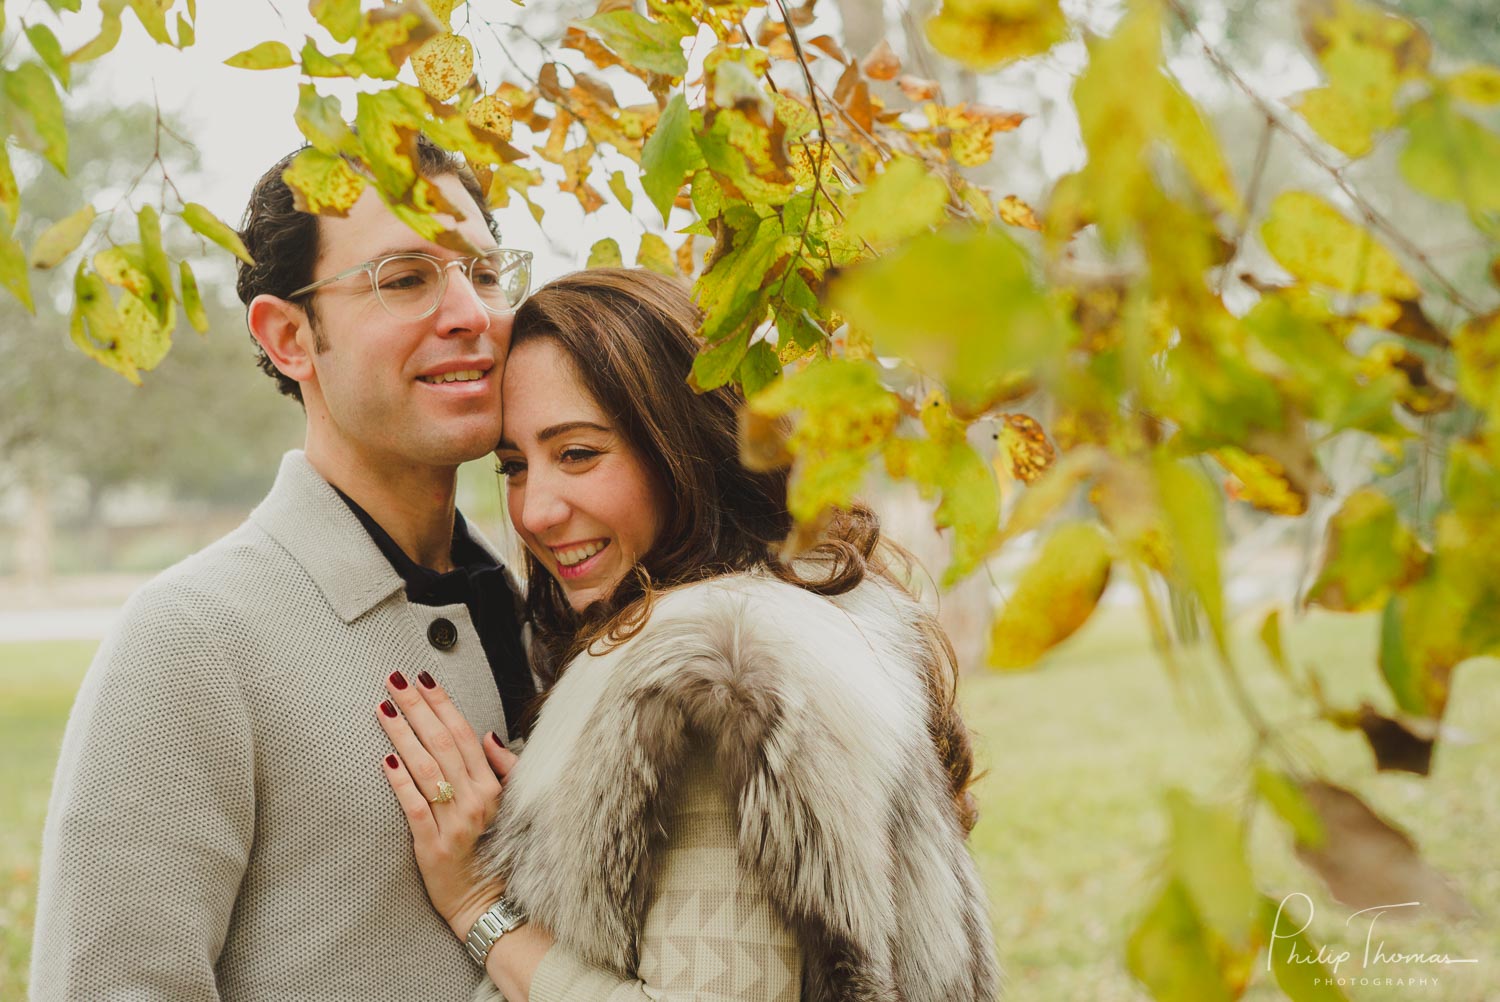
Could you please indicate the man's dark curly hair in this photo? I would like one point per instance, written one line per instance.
(284, 241)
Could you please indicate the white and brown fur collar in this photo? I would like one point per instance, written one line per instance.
(816, 712)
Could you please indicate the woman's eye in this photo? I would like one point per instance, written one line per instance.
(577, 455)
(510, 467)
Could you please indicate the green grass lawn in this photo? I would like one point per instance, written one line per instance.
(1078, 754)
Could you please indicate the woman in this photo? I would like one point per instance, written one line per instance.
(746, 779)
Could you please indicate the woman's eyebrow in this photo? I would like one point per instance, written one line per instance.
(552, 431)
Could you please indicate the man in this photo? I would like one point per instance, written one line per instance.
(220, 828)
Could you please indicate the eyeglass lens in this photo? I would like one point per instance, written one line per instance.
(412, 286)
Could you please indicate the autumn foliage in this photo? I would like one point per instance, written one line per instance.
(1108, 368)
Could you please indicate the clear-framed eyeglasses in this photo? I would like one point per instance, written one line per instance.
(411, 285)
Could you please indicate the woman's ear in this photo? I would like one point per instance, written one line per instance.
(284, 332)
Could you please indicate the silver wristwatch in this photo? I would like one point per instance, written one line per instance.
(503, 916)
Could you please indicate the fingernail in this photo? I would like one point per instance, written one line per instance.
(496, 738)
(390, 762)
(426, 680)
(388, 708)
(398, 680)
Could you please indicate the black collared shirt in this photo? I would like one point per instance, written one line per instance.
(479, 582)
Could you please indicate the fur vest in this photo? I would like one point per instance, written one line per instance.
(816, 712)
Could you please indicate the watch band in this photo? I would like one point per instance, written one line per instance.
(503, 916)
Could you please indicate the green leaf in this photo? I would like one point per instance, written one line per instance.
(265, 56)
(30, 89)
(316, 64)
(320, 119)
(1055, 595)
(730, 293)
(186, 34)
(906, 199)
(654, 253)
(65, 5)
(13, 274)
(339, 17)
(1171, 953)
(192, 300)
(945, 463)
(717, 363)
(50, 52)
(207, 224)
(158, 268)
(109, 33)
(323, 184)
(1451, 157)
(1422, 638)
(621, 190)
(1293, 957)
(10, 193)
(649, 45)
(1191, 505)
(1368, 554)
(985, 339)
(1198, 149)
(153, 17)
(758, 369)
(1316, 243)
(1286, 798)
(843, 416)
(388, 127)
(1208, 856)
(669, 155)
(1476, 346)
(61, 238)
(605, 254)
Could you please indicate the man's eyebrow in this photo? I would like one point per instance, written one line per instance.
(552, 431)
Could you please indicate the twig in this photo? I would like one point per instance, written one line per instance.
(1368, 211)
(1252, 195)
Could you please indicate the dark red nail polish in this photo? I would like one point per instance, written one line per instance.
(496, 738)
(388, 708)
(390, 762)
(426, 680)
(398, 680)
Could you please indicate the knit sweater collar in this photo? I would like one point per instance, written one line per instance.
(306, 516)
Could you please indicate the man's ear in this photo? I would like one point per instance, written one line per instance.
(284, 333)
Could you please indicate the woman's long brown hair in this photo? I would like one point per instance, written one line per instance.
(632, 336)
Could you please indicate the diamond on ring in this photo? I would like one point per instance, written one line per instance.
(444, 794)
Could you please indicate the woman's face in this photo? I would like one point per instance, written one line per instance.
(579, 495)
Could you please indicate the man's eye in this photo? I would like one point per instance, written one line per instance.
(405, 280)
(485, 277)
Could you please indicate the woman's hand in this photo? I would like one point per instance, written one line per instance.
(437, 758)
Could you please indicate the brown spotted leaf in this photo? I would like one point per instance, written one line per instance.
(443, 64)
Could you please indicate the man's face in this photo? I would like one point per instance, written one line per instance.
(377, 396)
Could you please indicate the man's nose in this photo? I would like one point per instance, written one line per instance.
(461, 309)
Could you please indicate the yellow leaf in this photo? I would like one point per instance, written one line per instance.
(605, 254)
(10, 193)
(388, 35)
(1198, 148)
(265, 56)
(443, 9)
(1015, 212)
(443, 64)
(1054, 597)
(323, 184)
(904, 200)
(1315, 242)
(492, 114)
(1476, 85)
(1024, 447)
(1262, 482)
(620, 188)
(61, 238)
(654, 253)
(984, 34)
(13, 272)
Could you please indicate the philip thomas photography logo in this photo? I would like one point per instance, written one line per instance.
(1376, 963)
